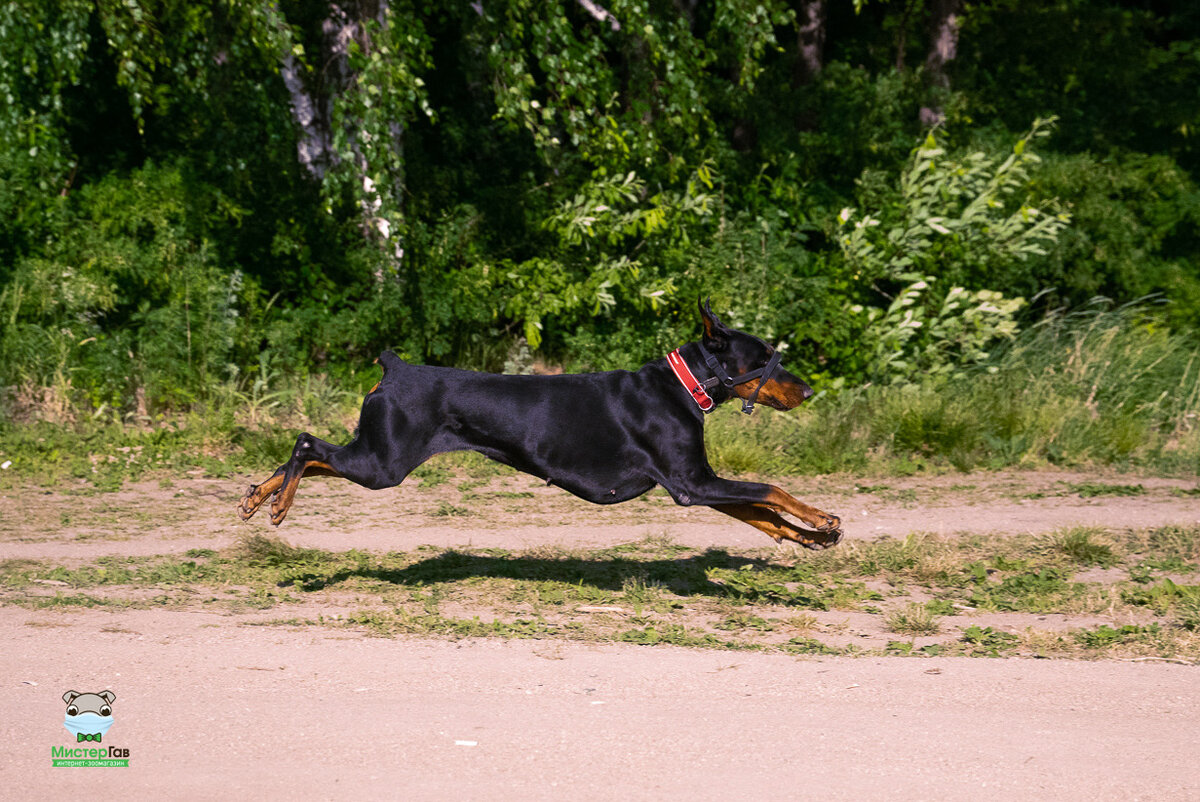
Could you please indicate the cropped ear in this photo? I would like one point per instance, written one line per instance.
(107, 696)
(70, 696)
(716, 335)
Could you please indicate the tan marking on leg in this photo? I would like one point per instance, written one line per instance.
(283, 501)
(257, 494)
(821, 521)
(766, 520)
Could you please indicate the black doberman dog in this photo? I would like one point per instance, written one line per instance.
(606, 437)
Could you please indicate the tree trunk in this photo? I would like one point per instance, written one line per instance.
(314, 147)
(902, 35)
(810, 43)
(943, 47)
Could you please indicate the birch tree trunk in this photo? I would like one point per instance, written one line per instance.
(810, 43)
(943, 47)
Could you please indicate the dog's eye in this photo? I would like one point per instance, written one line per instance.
(72, 711)
(106, 711)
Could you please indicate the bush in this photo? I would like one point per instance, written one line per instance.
(1136, 232)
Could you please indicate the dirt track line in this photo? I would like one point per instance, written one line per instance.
(381, 521)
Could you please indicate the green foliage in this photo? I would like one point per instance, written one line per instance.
(961, 216)
(1164, 595)
(124, 297)
(953, 219)
(1104, 636)
(1131, 87)
(987, 642)
(206, 205)
(1135, 219)
(1029, 592)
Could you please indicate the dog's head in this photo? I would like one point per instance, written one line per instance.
(739, 353)
(98, 703)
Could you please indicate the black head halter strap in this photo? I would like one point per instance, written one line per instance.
(721, 375)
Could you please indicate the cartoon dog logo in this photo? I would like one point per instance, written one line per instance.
(89, 715)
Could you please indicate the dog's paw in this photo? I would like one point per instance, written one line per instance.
(829, 523)
(249, 504)
(825, 540)
(278, 512)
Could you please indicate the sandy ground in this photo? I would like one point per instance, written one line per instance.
(211, 708)
(212, 712)
(517, 512)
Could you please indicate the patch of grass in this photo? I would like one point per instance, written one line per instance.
(742, 620)
(804, 622)
(809, 646)
(1104, 636)
(1094, 489)
(1144, 571)
(1032, 592)
(913, 619)
(676, 635)
(274, 552)
(1187, 614)
(1182, 542)
(656, 591)
(431, 475)
(985, 641)
(789, 587)
(1082, 545)
(72, 600)
(737, 457)
(1163, 596)
(941, 607)
(447, 510)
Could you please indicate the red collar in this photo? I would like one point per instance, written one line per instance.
(684, 374)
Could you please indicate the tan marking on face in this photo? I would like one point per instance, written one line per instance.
(775, 393)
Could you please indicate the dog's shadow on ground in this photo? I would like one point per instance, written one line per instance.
(685, 576)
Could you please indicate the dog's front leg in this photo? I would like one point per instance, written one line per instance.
(766, 520)
(759, 505)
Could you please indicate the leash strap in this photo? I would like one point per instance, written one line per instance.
(685, 376)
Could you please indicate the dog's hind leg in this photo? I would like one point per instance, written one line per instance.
(257, 494)
(310, 457)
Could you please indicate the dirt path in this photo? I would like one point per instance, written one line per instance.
(212, 706)
(209, 711)
(517, 512)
